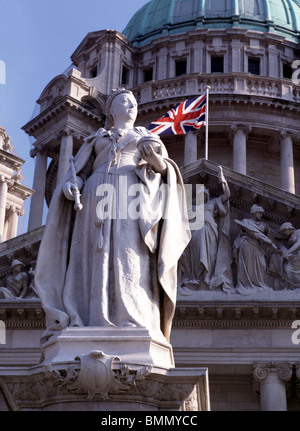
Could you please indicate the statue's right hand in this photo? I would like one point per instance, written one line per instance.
(68, 190)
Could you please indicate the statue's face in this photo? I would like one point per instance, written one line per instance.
(17, 268)
(124, 107)
(259, 215)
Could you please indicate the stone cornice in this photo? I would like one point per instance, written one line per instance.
(22, 247)
(28, 313)
(239, 314)
(21, 191)
(10, 159)
(22, 314)
(65, 103)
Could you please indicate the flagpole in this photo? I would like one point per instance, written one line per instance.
(207, 88)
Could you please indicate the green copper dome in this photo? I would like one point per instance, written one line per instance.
(160, 17)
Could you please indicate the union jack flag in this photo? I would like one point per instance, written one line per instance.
(187, 116)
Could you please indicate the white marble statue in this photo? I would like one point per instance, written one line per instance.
(253, 244)
(105, 268)
(206, 262)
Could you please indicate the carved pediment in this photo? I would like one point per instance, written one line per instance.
(280, 206)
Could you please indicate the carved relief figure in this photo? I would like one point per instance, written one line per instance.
(16, 284)
(206, 262)
(108, 268)
(251, 248)
(291, 256)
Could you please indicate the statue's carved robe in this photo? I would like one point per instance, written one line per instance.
(120, 271)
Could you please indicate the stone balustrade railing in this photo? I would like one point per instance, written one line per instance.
(243, 84)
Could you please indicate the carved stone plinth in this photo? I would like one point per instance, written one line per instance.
(131, 344)
(100, 382)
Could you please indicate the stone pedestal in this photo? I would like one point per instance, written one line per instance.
(106, 369)
(100, 383)
(131, 344)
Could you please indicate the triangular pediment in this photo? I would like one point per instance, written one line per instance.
(280, 206)
(88, 41)
(91, 40)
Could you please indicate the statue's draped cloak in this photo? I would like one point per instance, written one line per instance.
(113, 271)
(208, 256)
(250, 255)
(292, 266)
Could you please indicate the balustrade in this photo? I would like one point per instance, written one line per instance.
(243, 84)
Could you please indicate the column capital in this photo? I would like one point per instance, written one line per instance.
(287, 133)
(241, 126)
(37, 149)
(13, 209)
(284, 370)
(66, 131)
(9, 181)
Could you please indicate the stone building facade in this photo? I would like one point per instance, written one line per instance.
(248, 53)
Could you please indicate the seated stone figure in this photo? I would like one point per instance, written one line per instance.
(16, 284)
(291, 256)
(253, 244)
(116, 264)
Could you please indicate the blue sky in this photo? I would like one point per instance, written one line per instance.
(37, 38)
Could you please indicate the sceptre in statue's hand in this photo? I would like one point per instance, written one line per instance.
(74, 187)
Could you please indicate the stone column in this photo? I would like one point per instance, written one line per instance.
(287, 162)
(190, 148)
(66, 150)
(13, 222)
(240, 132)
(272, 378)
(39, 184)
(3, 198)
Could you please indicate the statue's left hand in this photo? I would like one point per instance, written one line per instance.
(154, 159)
(221, 177)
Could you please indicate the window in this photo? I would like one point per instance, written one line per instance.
(125, 76)
(180, 67)
(148, 75)
(254, 66)
(94, 72)
(287, 71)
(217, 64)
